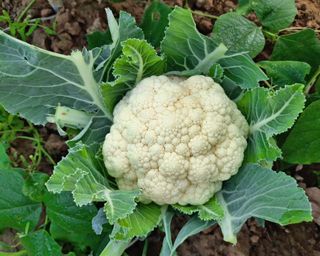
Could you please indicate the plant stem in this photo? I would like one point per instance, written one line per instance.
(115, 248)
(203, 14)
(312, 81)
(297, 28)
(23, 13)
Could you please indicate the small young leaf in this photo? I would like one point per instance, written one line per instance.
(155, 21)
(140, 223)
(302, 146)
(120, 204)
(259, 192)
(274, 14)
(139, 60)
(301, 46)
(17, 210)
(238, 34)
(40, 243)
(99, 39)
(283, 73)
(126, 29)
(269, 113)
(209, 211)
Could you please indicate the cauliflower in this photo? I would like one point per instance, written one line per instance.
(176, 139)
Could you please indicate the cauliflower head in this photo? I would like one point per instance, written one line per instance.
(176, 139)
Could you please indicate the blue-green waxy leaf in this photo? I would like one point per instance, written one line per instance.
(238, 34)
(40, 243)
(241, 70)
(301, 46)
(188, 52)
(285, 72)
(259, 192)
(16, 210)
(155, 21)
(274, 14)
(269, 113)
(33, 81)
(302, 146)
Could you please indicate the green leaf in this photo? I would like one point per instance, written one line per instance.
(302, 146)
(259, 192)
(273, 14)
(33, 81)
(40, 243)
(34, 186)
(4, 158)
(269, 113)
(83, 173)
(241, 70)
(126, 29)
(286, 72)
(209, 211)
(16, 210)
(186, 49)
(99, 39)
(70, 222)
(188, 52)
(238, 34)
(154, 22)
(140, 223)
(301, 46)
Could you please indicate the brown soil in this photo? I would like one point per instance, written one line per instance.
(77, 18)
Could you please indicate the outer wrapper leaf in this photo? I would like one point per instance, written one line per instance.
(259, 192)
(302, 146)
(269, 113)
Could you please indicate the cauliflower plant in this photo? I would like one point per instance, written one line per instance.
(176, 139)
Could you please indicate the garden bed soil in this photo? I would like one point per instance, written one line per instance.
(74, 20)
